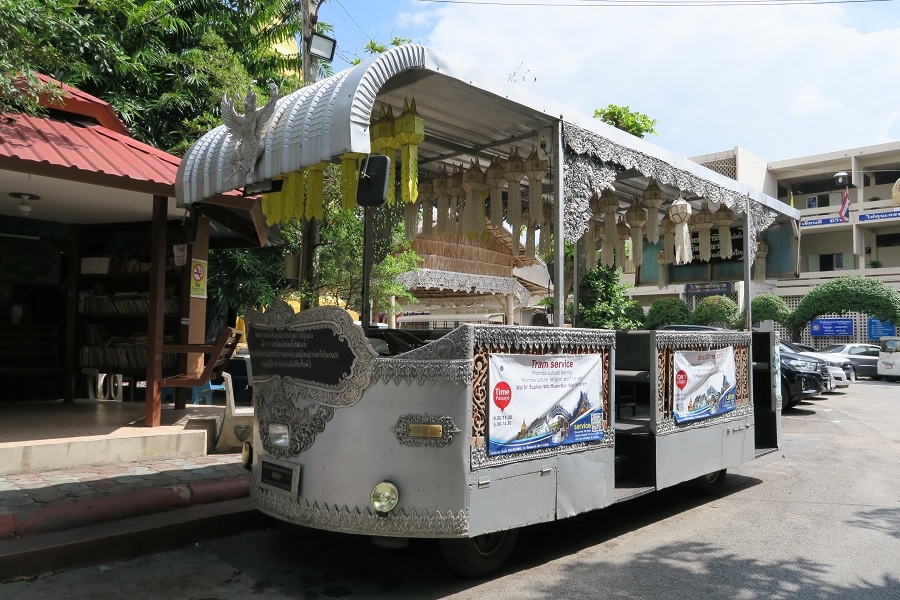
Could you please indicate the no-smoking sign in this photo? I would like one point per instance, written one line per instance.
(198, 278)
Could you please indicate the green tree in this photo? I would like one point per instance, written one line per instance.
(667, 311)
(766, 307)
(717, 310)
(603, 301)
(622, 117)
(838, 296)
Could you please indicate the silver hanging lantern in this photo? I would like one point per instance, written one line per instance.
(652, 199)
(680, 213)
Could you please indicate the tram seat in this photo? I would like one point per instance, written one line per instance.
(237, 424)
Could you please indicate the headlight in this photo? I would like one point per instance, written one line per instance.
(384, 497)
(247, 455)
(802, 365)
(279, 435)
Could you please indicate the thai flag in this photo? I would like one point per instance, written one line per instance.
(844, 212)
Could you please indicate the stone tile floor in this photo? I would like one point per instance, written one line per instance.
(28, 491)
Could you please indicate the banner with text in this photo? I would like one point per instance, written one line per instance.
(704, 384)
(543, 401)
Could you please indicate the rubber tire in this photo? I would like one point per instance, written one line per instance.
(876, 377)
(786, 397)
(477, 557)
(711, 483)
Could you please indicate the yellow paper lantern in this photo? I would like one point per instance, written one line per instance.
(315, 191)
(514, 171)
(384, 142)
(535, 169)
(637, 218)
(724, 217)
(703, 220)
(623, 232)
(349, 178)
(409, 131)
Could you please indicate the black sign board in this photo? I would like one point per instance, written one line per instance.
(311, 354)
(276, 475)
(737, 244)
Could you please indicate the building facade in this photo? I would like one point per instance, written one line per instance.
(864, 240)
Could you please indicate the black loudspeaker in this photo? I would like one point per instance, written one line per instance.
(373, 180)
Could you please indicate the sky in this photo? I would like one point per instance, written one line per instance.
(779, 81)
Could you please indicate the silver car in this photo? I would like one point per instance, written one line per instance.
(864, 357)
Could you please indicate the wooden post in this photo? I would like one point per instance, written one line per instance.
(153, 402)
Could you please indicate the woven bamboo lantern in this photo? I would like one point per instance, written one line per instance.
(680, 213)
(637, 218)
(652, 199)
(409, 130)
(442, 190)
(410, 219)
(426, 198)
(668, 228)
(724, 217)
(495, 179)
(529, 234)
(457, 199)
(759, 265)
(623, 233)
(662, 279)
(514, 171)
(473, 183)
(546, 227)
(535, 169)
(609, 204)
(703, 220)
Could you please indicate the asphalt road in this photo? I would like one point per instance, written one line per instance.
(818, 519)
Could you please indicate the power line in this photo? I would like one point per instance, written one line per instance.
(354, 27)
(655, 3)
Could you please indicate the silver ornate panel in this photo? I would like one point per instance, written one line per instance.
(457, 344)
(441, 523)
(688, 340)
(543, 338)
(400, 369)
(401, 430)
(599, 158)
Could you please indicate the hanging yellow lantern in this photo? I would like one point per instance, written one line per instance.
(680, 213)
(494, 179)
(473, 183)
(724, 217)
(637, 218)
(349, 178)
(703, 220)
(514, 171)
(409, 131)
(652, 199)
(287, 204)
(384, 142)
(410, 220)
(316, 191)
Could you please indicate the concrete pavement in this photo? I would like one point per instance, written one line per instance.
(59, 519)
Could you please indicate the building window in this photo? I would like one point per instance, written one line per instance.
(887, 240)
(831, 262)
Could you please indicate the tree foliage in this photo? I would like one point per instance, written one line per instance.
(838, 296)
(717, 310)
(667, 311)
(765, 307)
(603, 301)
(622, 117)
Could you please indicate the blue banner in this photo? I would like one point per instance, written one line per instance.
(891, 214)
(831, 327)
(879, 329)
(826, 221)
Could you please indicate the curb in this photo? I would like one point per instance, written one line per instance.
(123, 505)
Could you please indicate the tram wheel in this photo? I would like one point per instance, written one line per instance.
(478, 556)
(711, 483)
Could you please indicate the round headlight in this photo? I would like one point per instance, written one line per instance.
(279, 435)
(384, 497)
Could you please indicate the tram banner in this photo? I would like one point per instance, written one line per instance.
(542, 401)
(704, 384)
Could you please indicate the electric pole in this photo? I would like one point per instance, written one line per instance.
(309, 242)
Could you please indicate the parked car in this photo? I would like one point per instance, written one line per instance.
(889, 358)
(840, 368)
(864, 358)
(391, 342)
(801, 377)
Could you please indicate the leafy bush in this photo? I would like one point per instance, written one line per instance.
(667, 311)
(603, 301)
(715, 310)
(766, 307)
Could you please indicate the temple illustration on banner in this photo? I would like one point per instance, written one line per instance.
(555, 420)
(710, 397)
